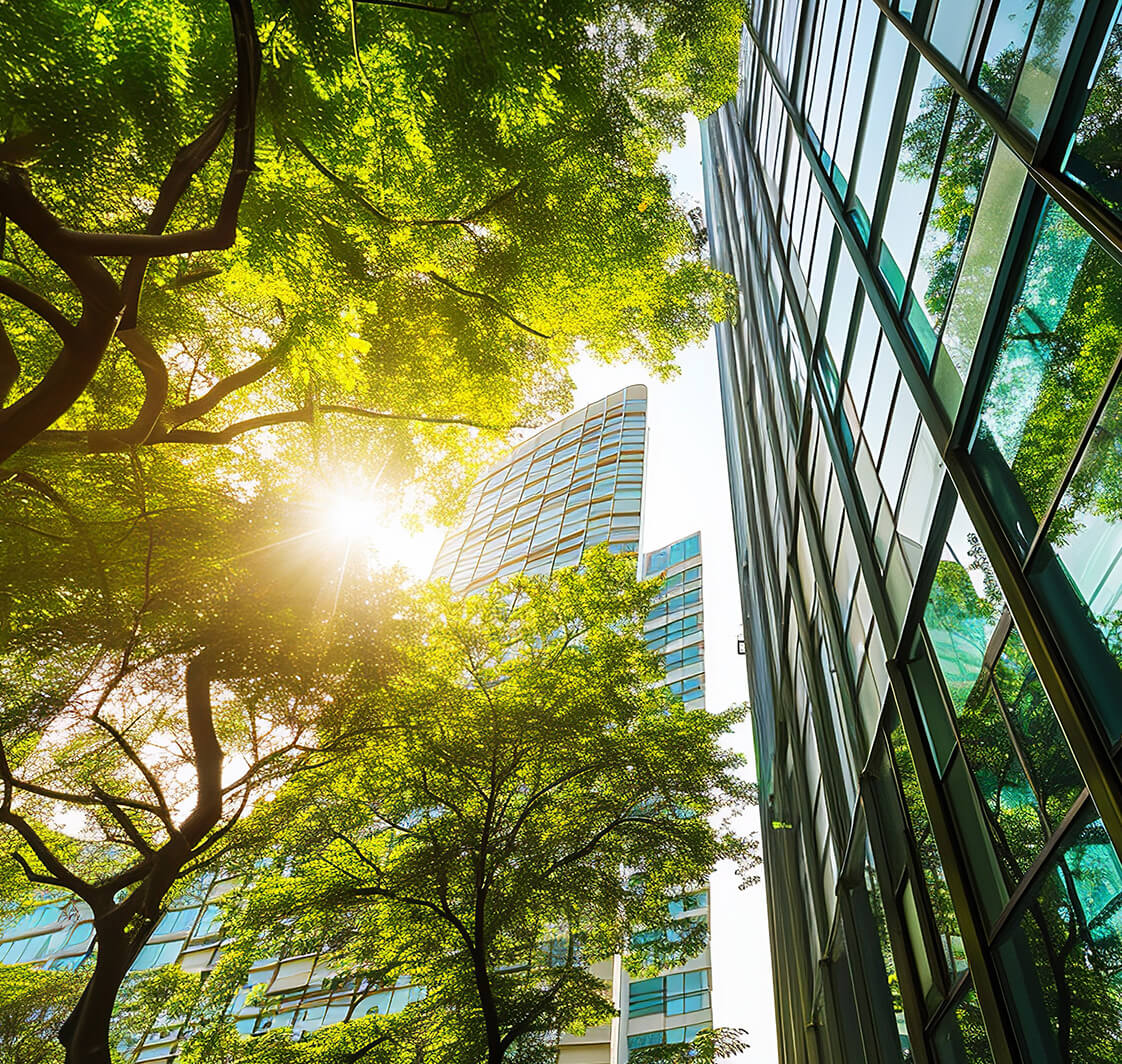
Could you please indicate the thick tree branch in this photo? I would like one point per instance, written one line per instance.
(221, 235)
(208, 753)
(189, 160)
(9, 365)
(34, 302)
(155, 375)
(490, 300)
(83, 344)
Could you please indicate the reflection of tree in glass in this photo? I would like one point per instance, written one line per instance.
(1054, 775)
(960, 177)
(959, 621)
(942, 907)
(1014, 819)
(1096, 157)
(1072, 934)
(1067, 331)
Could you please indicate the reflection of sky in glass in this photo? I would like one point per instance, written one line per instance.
(1092, 558)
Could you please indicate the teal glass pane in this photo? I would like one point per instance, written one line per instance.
(1061, 960)
(1095, 161)
(1044, 60)
(1005, 46)
(962, 609)
(1015, 819)
(960, 1037)
(1055, 778)
(1058, 348)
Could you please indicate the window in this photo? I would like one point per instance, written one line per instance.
(670, 994)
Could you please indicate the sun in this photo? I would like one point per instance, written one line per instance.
(357, 520)
(351, 517)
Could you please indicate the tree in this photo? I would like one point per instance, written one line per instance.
(529, 796)
(234, 221)
(178, 656)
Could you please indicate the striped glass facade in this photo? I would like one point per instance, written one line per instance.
(575, 484)
(922, 205)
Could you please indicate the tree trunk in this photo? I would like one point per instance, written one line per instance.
(85, 1034)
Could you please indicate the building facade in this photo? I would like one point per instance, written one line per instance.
(921, 202)
(574, 485)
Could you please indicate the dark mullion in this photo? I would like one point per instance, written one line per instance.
(971, 920)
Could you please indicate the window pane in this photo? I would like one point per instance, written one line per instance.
(961, 1037)
(1062, 958)
(1047, 51)
(1008, 34)
(1056, 779)
(1095, 160)
(1059, 346)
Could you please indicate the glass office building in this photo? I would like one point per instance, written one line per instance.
(922, 204)
(574, 485)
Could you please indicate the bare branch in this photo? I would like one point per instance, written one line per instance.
(127, 749)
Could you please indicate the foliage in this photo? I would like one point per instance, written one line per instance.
(707, 1047)
(528, 796)
(33, 1003)
(175, 653)
(442, 207)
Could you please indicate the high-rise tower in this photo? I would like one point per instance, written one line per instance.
(921, 203)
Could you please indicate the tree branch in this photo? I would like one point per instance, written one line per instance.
(357, 197)
(221, 235)
(9, 365)
(490, 300)
(189, 160)
(252, 373)
(34, 302)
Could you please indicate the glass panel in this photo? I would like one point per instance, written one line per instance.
(876, 905)
(961, 1036)
(1094, 161)
(1062, 958)
(1047, 51)
(1016, 821)
(943, 909)
(878, 117)
(962, 609)
(923, 134)
(983, 867)
(1060, 343)
(996, 207)
(1054, 776)
(1008, 33)
(950, 31)
(948, 223)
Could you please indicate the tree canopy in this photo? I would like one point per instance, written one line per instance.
(528, 798)
(231, 222)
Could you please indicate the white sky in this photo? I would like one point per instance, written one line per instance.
(685, 490)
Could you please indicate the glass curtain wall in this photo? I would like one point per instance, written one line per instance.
(921, 203)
